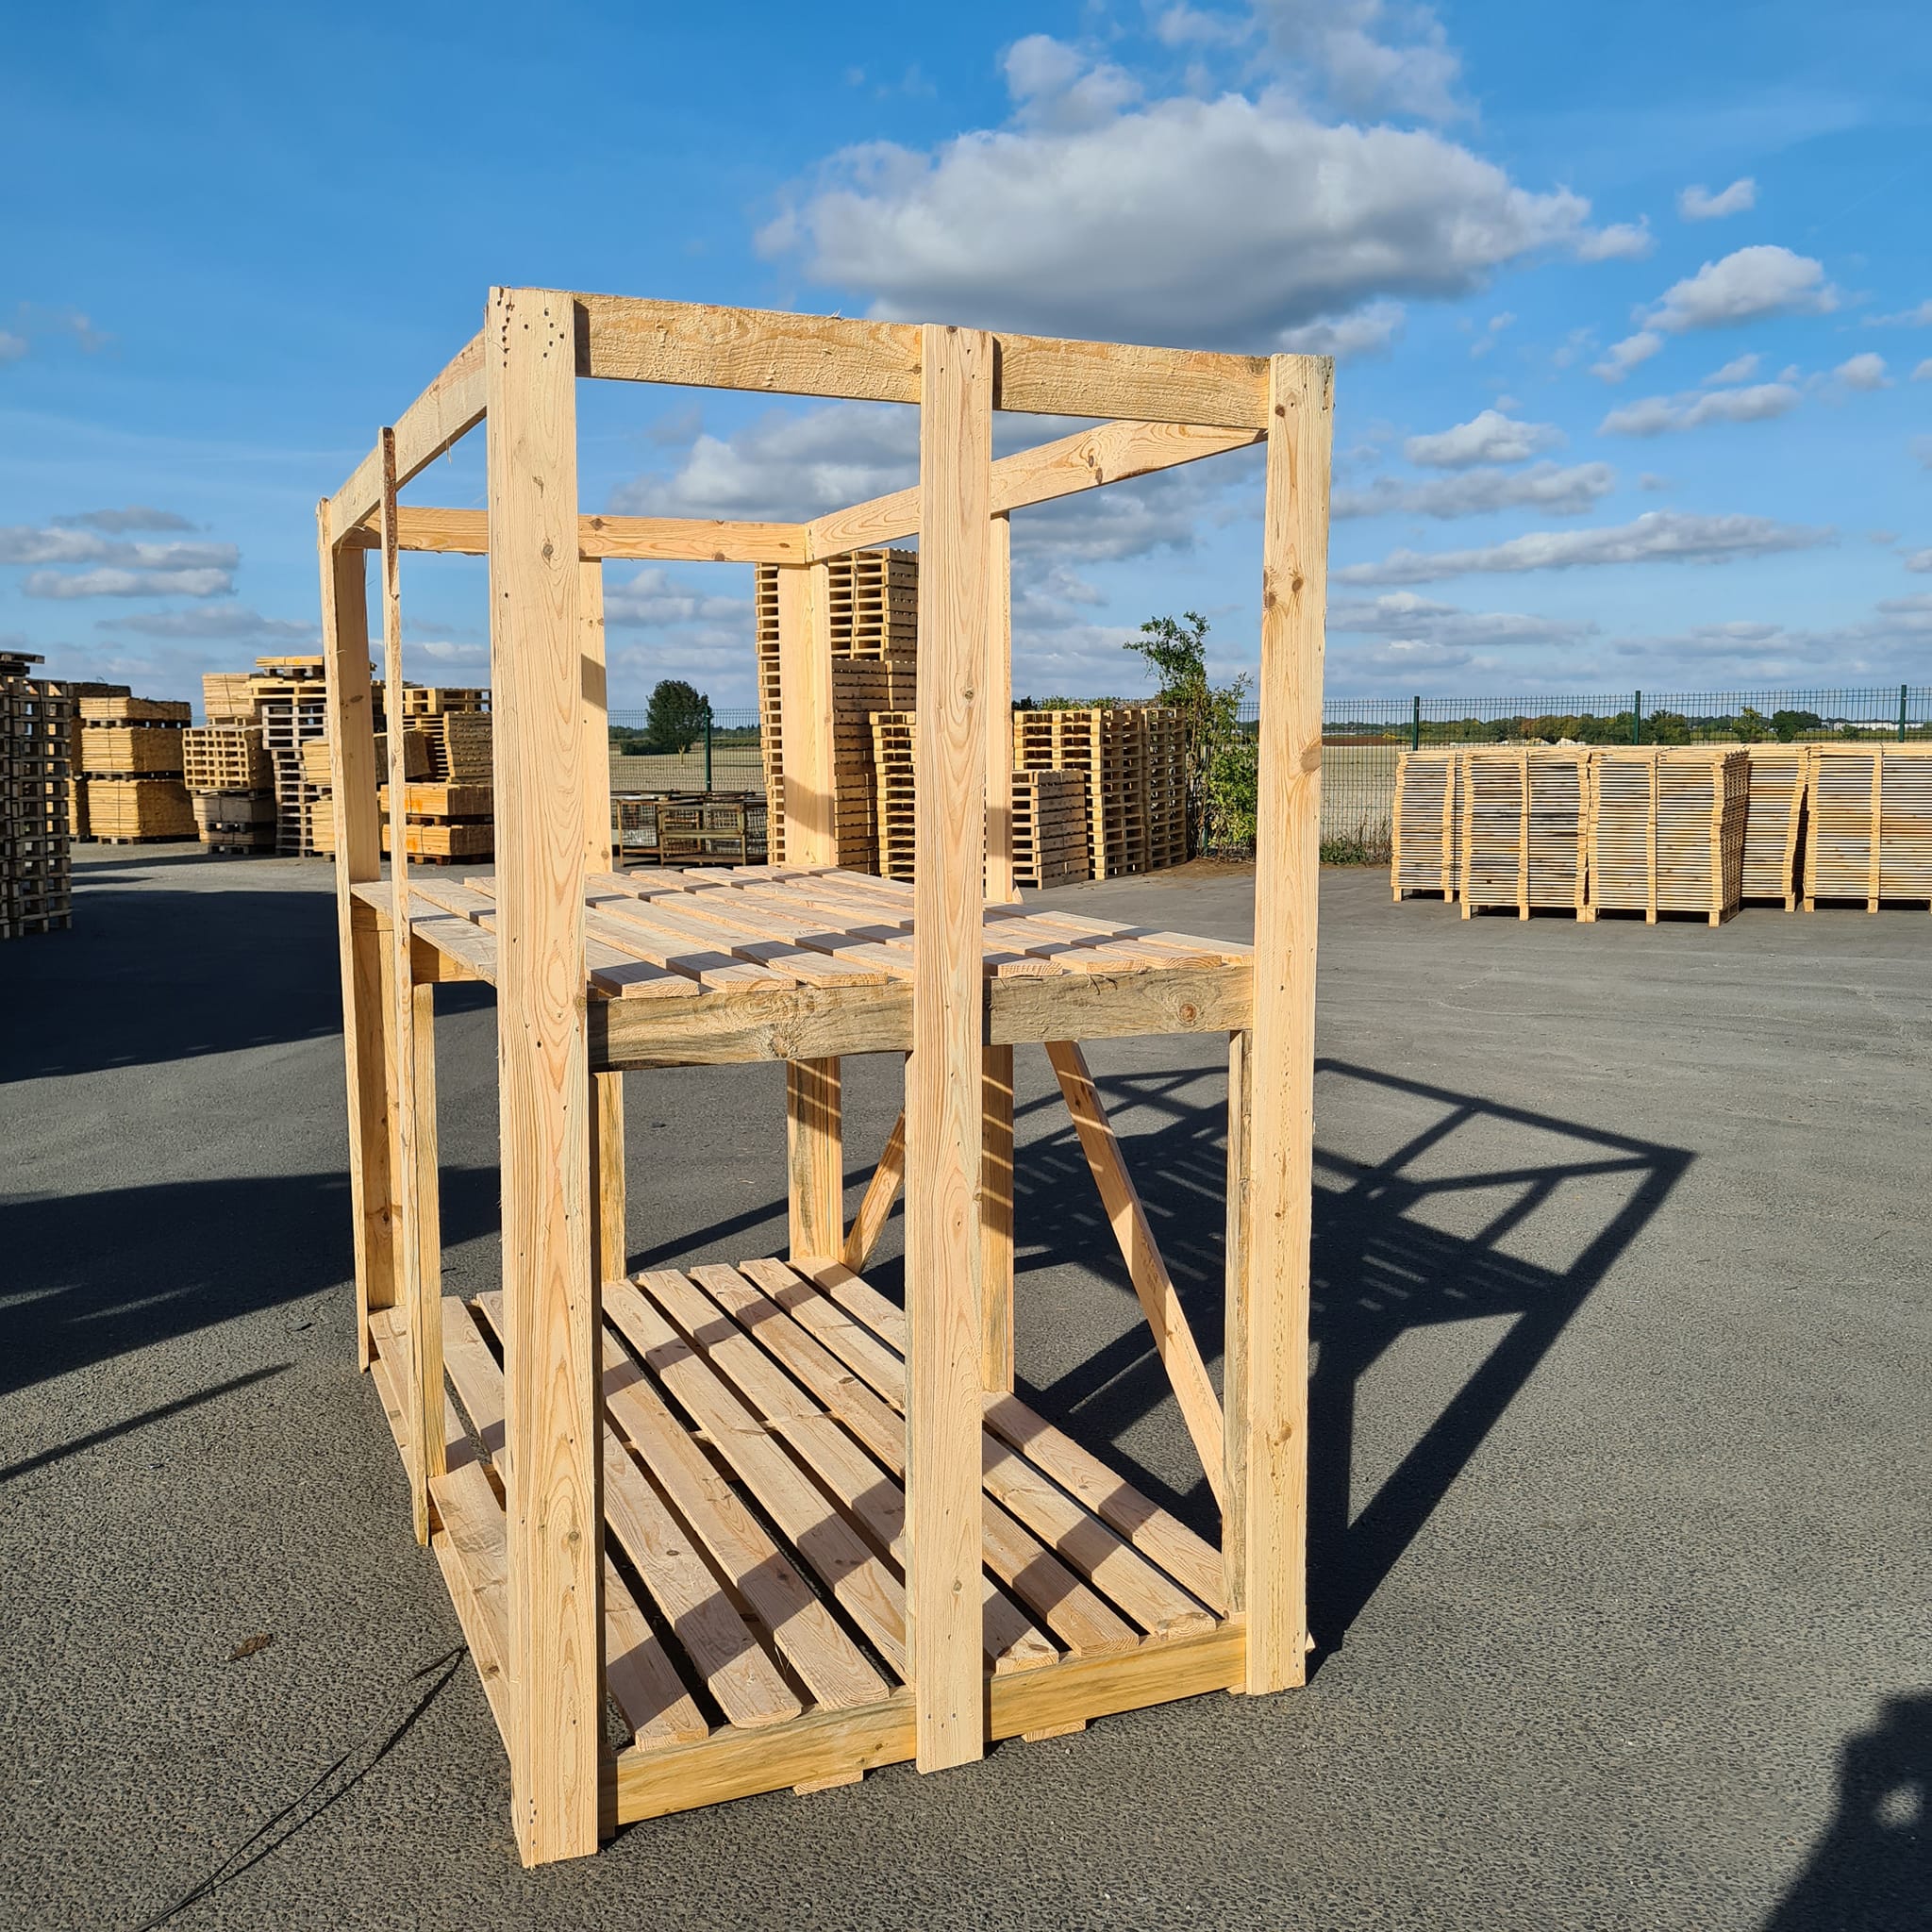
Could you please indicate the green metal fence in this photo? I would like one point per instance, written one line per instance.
(723, 758)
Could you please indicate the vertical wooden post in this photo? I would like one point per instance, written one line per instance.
(420, 1301)
(814, 1125)
(610, 1247)
(1234, 1358)
(425, 1315)
(996, 1081)
(551, 1386)
(1275, 1346)
(943, 1078)
(358, 860)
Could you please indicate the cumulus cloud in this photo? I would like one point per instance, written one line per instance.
(1368, 57)
(1920, 561)
(1923, 371)
(1366, 332)
(1654, 415)
(233, 622)
(1920, 317)
(12, 347)
(1866, 371)
(1619, 358)
(109, 582)
(1229, 219)
(1739, 369)
(1619, 241)
(1053, 86)
(117, 522)
(1402, 614)
(654, 596)
(1743, 286)
(1657, 536)
(1547, 487)
(58, 543)
(1488, 438)
(1697, 204)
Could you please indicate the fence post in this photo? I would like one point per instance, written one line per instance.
(1636, 719)
(1415, 727)
(1902, 689)
(708, 744)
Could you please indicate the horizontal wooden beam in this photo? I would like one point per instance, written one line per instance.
(646, 540)
(449, 408)
(768, 351)
(1110, 453)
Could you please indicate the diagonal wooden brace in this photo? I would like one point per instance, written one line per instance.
(1172, 1338)
(881, 1192)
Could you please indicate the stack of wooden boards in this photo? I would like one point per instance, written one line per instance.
(231, 783)
(1134, 760)
(1681, 829)
(130, 761)
(689, 827)
(874, 635)
(36, 729)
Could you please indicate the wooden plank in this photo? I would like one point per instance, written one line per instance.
(556, 1515)
(358, 860)
(610, 1245)
(1090, 459)
(867, 1496)
(995, 1218)
(449, 408)
(999, 711)
(1047, 376)
(643, 540)
(743, 930)
(472, 1547)
(864, 1587)
(876, 1208)
(641, 1675)
(1154, 1287)
(814, 1156)
(942, 1080)
(1083, 1689)
(426, 1310)
(478, 1378)
(1294, 596)
(1235, 1272)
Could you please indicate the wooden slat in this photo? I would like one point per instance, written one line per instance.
(745, 934)
(641, 1675)
(1044, 376)
(867, 1496)
(478, 1378)
(643, 540)
(1293, 598)
(1237, 1252)
(451, 406)
(995, 1218)
(814, 1156)
(555, 1510)
(425, 1312)
(876, 1208)
(471, 1549)
(1049, 1588)
(1154, 1287)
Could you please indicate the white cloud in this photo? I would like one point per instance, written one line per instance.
(1923, 371)
(1654, 415)
(12, 347)
(1743, 286)
(445, 651)
(1053, 86)
(229, 622)
(61, 543)
(1402, 614)
(1619, 358)
(1920, 561)
(1657, 536)
(1920, 317)
(1545, 487)
(1619, 241)
(1406, 658)
(1739, 369)
(1866, 371)
(1225, 220)
(653, 597)
(1697, 204)
(1651, 481)
(1488, 438)
(117, 522)
(109, 582)
(1372, 58)
(1491, 335)
(1366, 332)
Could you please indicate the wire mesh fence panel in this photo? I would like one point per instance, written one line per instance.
(725, 757)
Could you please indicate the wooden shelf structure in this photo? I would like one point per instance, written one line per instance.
(785, 1529)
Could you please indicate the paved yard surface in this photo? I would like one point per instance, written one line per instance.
(1621, 1561)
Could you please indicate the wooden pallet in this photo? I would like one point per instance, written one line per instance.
(1109, 744)
(1869, 825)
(224, 757)
(1774, 822)
(1050, 827)
(1524, 822)
(123, 810)
(130, 751)
(1666, 830)
(133, 710)
(1425, 846)
(225, 698)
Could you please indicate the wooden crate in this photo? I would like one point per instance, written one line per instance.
(225, 698)
(1425, 846)
(121, 811)
(1868, 832)
(1666, 830)
(126, 709)
(1049, 828)
(224, 757)
(131, 751)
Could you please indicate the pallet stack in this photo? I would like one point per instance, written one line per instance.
(130, 764)
(1869, 829)
(1524, 820)
(1666, 830)
(443, 825)
(689, 829)
(290, 703)
(1050, 828)
(1426, 841)
(894, 736)
(875, 636)
(1167, 786)
(1773, 820)
(232, 787)
(1110, 746)
(36, 732)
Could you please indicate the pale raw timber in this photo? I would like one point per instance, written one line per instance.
(1868, 832)
(1425, 843)
(788, 1528)
(128, 756)
(1525, 821)
(1667, 831)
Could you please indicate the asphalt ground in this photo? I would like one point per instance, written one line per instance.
(1621, 1560)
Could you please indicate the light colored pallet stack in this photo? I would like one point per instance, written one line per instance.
(458, 746)
(1525, 819)
(290, 703)
(1049, 828)
(1869, 825)
(36, 730)
(1666, 830)
(1773, 820)
(77, 826)
(232, 786)
(132, 761)
(225, 697)
(444, 822)
(1425, 853)
(894, 740)
(1109, 745)
(1167, 786)
(874, 597)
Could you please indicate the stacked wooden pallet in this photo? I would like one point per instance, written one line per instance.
(1869, 825)
(132, 761)
(36, 731)
(894, 736)
(1109, 744)
(1524, 820)
(1426, 844)
(289, 695)
(1666, 830)
(231, 783)
(1050, 828)
(1167, 786)
(1773, 820)
(874, 621)
(689, 829)
(442, 823)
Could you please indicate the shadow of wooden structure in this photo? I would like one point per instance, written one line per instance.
(780, 1528)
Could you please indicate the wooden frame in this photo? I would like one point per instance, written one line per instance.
(1002, 1579)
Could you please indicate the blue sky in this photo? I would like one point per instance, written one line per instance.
(1633, 307)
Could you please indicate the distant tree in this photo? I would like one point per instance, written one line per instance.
(1791, 725)
(676, 720)
(1221, 758)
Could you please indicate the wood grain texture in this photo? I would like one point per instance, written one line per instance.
(995, 1219)
(814, 1156)
(1174, 1342)
(1234, 1362)
(550, 1307)
(942, 1084)
(876, 1207)
(999, 711)
(358, 860)
(643, 540)
(448, 409)
(425, 1282)
(1294, 600)
(1047, 376)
